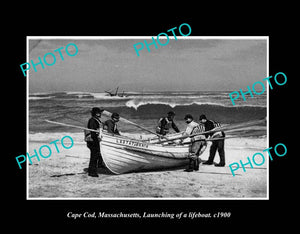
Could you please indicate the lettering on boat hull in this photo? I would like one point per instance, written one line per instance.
(131, 143)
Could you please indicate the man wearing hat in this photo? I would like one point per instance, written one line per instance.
(164, 124)
(92, 140)
(111, 124)
(216, 144)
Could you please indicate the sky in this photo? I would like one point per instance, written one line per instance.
(187, 64)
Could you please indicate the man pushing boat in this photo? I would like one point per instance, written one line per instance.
(216, 144)
(111, 124)
(164, 124)
(197, 146)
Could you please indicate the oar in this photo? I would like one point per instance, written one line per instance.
(134, 124)
(70, 125)
(229, 127)
(93, 130)
(215, 139)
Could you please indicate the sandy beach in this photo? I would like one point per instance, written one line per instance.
(63, 175)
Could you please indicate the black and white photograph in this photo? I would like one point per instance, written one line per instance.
(150, 118)
(142, 118)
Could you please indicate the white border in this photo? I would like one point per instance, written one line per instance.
(141, 37)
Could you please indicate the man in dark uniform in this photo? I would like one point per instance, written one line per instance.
(111, 124)
(216, 144)
(164, 124)
(92, 139)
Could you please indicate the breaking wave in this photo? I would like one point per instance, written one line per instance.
(142, 108)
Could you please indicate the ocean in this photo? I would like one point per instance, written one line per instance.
(143, 108)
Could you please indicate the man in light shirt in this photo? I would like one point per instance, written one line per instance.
(197, 147)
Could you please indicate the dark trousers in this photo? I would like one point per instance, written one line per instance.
(217, 145)
(194, 164)
(194, 158)
(95, 158)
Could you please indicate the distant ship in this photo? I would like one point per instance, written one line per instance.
(115, 94)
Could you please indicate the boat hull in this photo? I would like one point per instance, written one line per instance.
(124, 155)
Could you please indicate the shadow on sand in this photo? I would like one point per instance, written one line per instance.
(103, 171)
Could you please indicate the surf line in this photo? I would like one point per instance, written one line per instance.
(254, 90)
(43, 153)
(260, 162)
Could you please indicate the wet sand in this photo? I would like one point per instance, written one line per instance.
(63, 175)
